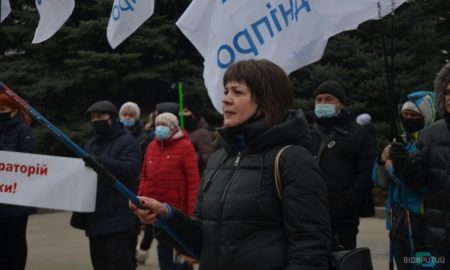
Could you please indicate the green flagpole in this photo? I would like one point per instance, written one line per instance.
(180, 101)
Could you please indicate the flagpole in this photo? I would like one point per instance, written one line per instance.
(392, 88)
(177, 72)
(180, 100)
(389, 67)
(98, 167)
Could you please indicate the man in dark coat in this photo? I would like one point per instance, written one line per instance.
(346, 152)
(429, 167)
(197, 128)
(112, 228)
(15, 135)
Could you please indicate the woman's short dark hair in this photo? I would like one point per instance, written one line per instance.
(269, 84)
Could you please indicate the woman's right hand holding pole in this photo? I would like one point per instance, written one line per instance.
(152, 211)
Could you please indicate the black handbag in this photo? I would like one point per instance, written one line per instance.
(354, 259)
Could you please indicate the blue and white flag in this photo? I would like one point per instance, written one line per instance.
(53, 14)
(290, 33)
(5, 9)
(126, 17)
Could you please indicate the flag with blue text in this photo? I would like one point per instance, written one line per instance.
(53, 14)
(5, 9)
(126, 17)
(290, 33)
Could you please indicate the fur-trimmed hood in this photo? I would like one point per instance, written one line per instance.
(440, 85)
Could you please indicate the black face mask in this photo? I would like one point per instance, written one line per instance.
(4, 117)
(189, 122)
(412, 125)
(101, 128)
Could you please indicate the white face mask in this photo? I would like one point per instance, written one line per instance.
(325, 110)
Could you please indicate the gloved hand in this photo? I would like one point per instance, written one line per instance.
(398, 153)
(91, 161)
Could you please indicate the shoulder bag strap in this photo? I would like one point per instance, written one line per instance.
(276, 170)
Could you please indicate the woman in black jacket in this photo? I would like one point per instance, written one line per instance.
(16, 136)
(240, 222)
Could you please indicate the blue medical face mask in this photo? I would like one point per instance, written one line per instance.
(325, 110)
(162, 132)
(128, 122)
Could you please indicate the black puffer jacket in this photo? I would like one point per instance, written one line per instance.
(240, 222)
(16, 136)
(120, 154)
(430, 167)
(346, 155)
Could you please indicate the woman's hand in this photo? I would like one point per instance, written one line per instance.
(153, 209)
(385, 154)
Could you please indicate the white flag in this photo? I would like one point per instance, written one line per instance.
(47, 181)
(53, 14)
(126, 17)
(290, 33)
(5, 9)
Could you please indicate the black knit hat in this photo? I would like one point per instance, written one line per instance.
(171, 107)
(333, 88)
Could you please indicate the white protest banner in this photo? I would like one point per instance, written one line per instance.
(5, 9)
(126, 17)
(47, 181)
(53, 14)
(290, 33)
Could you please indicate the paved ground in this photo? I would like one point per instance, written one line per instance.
(54, 245)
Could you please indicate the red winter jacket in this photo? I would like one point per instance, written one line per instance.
(170, 172)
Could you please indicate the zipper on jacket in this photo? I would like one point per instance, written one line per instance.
(238, 158)
(227, 187)
(222, 200)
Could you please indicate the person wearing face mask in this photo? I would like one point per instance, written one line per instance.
(129, 114)
(240, 221)
(428, 167)
(404, 202)
(16, 135)
(170, 174)
(197, 129)
(112, 228)
(345, 152)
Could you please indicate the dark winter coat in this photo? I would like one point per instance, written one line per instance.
(170, 173)
(202, 140)
(16, 136)
(240, 222)
(120, 154)
(430, 167)
(141, 135)
(346, 154)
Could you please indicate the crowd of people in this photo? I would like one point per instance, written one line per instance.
(226, 205)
